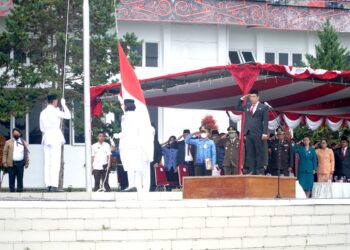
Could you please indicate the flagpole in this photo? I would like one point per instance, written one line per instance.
(116, 20)
(87, 111)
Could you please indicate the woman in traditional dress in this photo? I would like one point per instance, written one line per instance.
(307, 165)
(325, 157)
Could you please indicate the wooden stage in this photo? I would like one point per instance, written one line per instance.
(228, 187)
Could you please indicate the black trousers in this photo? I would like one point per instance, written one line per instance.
(200, 170)
(153, 178)
(190, 166)
(122, 177)
(16, 171)
(274, 172)
(256, 153)
(99, 176)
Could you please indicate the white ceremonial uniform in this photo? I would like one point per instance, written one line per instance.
(136, 150)
(53, 139)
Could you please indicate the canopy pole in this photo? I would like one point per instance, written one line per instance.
(87, 111)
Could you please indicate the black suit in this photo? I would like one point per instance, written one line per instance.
(255, 126)
(181, 156)
(342, 164)
(157, 158)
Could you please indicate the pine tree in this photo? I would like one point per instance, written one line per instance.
(330, 54)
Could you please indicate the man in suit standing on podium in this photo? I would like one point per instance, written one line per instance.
(255, 131)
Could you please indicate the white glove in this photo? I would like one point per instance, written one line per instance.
(63, 102)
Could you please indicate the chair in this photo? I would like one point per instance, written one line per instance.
(161, 180)
(182, 172)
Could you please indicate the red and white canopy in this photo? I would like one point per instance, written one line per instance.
(314, 97)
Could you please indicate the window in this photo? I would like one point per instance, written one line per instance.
(20, 123)
(34, 127)
(269, 57)
(234, 57)
(66, 130)
(137, 50)
(238, 57)
(20, 56)
(248, 56)
(35, 56)
(78, 123)
(5, 129)
(283, 58)
(151, 54)
(297, 59)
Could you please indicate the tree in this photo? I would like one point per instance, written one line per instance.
(330, 54)
(36, 35)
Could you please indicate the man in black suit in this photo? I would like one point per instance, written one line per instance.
(342, 159)
(255, 131)
(186, 153)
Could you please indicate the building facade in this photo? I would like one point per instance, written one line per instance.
(186, 35)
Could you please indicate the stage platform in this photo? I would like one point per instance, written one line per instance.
(164, 220)
(231, 187)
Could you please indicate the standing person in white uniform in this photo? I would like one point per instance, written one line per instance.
(136, 148)
(53, 139)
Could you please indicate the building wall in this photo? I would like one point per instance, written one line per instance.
(183, 47)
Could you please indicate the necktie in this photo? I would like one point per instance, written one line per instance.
(188, 149)
(252, 109)
(344, 152)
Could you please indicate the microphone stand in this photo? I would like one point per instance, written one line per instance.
(278, 195)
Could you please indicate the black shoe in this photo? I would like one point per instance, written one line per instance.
(133, 189)
(55, 190)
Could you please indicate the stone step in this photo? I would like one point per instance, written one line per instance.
(166, 221)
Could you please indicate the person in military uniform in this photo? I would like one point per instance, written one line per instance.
(281, 153)
(231, 145)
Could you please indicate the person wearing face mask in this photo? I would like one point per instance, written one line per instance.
(231, 145)
(170, 151)
(16, 158)
(205, 152)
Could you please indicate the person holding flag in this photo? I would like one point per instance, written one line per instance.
(137, 134)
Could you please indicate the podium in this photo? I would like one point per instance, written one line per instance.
(237, 187)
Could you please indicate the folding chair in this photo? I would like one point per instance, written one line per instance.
(161, 180)
(182, 172)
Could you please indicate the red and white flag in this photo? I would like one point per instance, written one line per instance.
(131, 89)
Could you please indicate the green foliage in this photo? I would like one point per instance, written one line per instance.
(321, 133)
(330, 54)
(36, 30)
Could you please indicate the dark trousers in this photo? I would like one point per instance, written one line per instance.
(284, 172)
(16, 171)
(200, 170)
(256, 153)
(100, 176)
(230, 170)
(122, 177)
(153, 185)
(171, 175)
(190, 166)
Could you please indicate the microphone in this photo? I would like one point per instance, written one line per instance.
(267, 104)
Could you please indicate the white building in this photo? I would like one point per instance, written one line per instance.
(174, 42)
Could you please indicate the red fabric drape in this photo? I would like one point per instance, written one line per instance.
(95, 92)
(245, 76)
